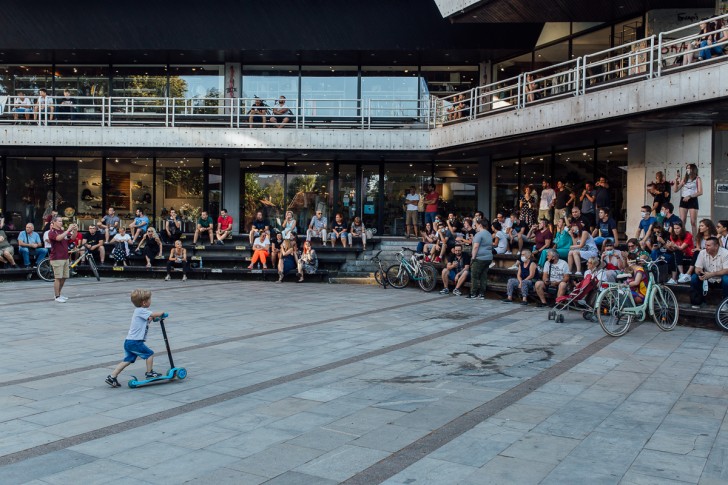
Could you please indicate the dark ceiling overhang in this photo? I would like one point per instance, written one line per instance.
(540, 11)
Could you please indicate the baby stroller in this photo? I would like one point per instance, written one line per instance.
(581, 298)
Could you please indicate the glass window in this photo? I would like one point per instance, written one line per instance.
(574, 168)
(369, 191)
(310, 188)
(27, 79)
(330, 91)
(180, 186)
(214, 188)
(145, 82)
(591, 43)
(628, 31)
(554, 54)
(612, 164)
(457, 184)
(30, 191)
(535, 168)
(513, 67)
(199, 82)
(505, 185)
(78, 181)
(91, 81)
(445, 80)
(269, 83)
(390, 91)
(553, 31)
(262, 189)
(346, 200)
(128, 185)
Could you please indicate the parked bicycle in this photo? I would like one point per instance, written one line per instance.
(412, 268)
(616, 308)
(45, 270)
(380, 274)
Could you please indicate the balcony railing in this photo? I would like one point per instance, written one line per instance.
(658, 55)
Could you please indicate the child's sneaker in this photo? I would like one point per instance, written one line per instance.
(112, 381)
(152, 374)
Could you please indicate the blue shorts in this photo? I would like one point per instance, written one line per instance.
(136, 348)
(451, 275)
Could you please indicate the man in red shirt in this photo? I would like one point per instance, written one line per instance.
(224, 226)
(59, 240)
(431, 200)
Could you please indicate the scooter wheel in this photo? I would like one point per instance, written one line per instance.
(132, 382)
(181, 373)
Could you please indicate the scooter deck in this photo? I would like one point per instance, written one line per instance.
(174, 373)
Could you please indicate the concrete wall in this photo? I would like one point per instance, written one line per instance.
(668, 151)
(720, 173)
(664, 20)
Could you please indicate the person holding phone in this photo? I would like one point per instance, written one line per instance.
(690, 187)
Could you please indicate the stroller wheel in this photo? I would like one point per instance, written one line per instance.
(552, 314)
(559, 318)
(587, 315)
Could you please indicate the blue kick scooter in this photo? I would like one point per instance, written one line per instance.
(173, 373)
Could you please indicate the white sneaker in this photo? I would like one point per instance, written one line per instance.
(671, 282)
(184, 278)
(492, 264)
(59, 299)
(578, 273)
(684, 278)
(515, 266)
(167, 278)
(64, 298)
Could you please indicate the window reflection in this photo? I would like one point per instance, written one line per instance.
(180, 186)
(330, 91)
(310, 189)
(25, 78)
(29, 194)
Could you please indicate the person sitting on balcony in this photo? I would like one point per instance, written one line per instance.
(281, 113)
(44, 105)
(258, 226)
(66, 107)
(339, 230)
(358, 231)
(173, 227)
(22, 105)
(307, 261)
(317, 227)
(204, 225)
(709, 37)
(258, 114)
(178, 259)
(224, 226)
(261, 250)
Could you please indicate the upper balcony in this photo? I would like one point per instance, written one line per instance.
(669, 71)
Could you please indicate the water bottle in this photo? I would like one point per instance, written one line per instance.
(705, 287)
(200, 262)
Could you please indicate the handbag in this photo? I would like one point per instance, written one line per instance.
(369, 233)
(421, 204)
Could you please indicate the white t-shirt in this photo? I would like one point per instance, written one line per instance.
(412, 200)
(126, 239)
(502, 242)
(557, 270)
(139, 324)
(547, 196)
(265, 244)
(46, 241)
(23, 103)
(45, 101)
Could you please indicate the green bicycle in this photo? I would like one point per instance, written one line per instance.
(412, 268)
(616, 308)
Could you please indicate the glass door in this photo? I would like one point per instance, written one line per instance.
(347, 202)
(262, 189)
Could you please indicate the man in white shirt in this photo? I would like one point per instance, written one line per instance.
(44, 106)
(411, 214)
(548, 197)
(555, 277)
(22, 105)
(317, 228)
(711, 269)
(281, 113)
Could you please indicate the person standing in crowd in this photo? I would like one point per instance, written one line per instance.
(59, 240)
(29, 243)
(602, 198)
(431, 200)
(564, 199)
(527, 204)
(587, 198)
(660, 191)
(481, 258)
(411, 214)
(546, 205)
(690, 187)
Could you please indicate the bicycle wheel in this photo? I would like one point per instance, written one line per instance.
(381, 277)
(45, 270)
(610, 315)
(428, 273)
(721, 315)
(397, 276)
(94, 268)
(664, 308)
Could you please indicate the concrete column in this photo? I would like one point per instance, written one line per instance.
(720, 173)
(231, 190)
(484, 190)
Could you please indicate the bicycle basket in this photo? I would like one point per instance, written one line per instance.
(659, 272)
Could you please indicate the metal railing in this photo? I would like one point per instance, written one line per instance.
(654, 56)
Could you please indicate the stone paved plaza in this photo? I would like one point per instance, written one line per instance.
(320, 384)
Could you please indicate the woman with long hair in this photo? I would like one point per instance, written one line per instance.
(288, 259)
(690, 187)
(680, 246)
(289, 225)
(706, 229)
(151, 245)
(307, 261)
(527, 202)
(562, 242)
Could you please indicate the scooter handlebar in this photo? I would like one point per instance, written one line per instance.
(164, 315)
